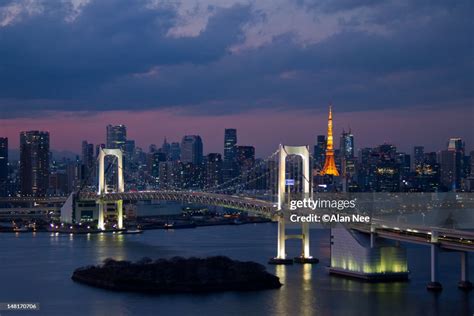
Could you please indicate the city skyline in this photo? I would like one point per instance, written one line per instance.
(185, 165)
(151, 150)
(411, 133)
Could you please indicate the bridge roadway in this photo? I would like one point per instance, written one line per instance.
(261, 207)
(449, 239)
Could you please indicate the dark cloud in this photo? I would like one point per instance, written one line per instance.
(116, 55)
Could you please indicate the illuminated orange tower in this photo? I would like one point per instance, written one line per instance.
(329, 164)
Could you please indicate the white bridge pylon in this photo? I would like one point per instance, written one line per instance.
(284, 152)
(104, 152)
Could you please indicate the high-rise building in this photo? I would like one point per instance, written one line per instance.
(347, 145)
(449, 167)
(166, 148)
(451, 162)
(88, 162)
(129, 148)
(116, 136)
(34, 162)
(73, 172)
(319, 152)
(404, 162)
(329, 163)
(387, 172)
(456, 144)
(153, 163)
(191, 149)
(245, 163)
(3, 166)
(213, 170)
(245, 157)
(366, 170)
(418, 156)
(472, 163)
(427, 174)
(230, 155)
(170, 175)
(346, 161)
(470, 178)
(175, 151)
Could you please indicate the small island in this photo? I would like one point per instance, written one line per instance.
(178, 275)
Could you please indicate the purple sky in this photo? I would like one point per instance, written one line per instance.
(396, 71)
(263, 129)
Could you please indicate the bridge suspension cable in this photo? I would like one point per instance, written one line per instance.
(224, 186)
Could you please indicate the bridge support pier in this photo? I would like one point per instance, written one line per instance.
(465, 284)
(119, 210)
(281, 249)
(281, 252)
(100, 220)
(434, 285)
(305, 256)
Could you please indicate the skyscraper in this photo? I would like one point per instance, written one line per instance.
(427, 173)
(319, 152)
(387, 172)
(116, 136)
(245, 163)
(129, 149)
(347, 145)
(88, 162)
(34, 162)
(329, 164)
(153, 162)
(175, 151)
(191, 149)
(213, 170)
(451, 162)
(418, 156)
(230, 154)
(456, 144)
(448, 165)
(166, 148)
(245, 157)
(3, 166)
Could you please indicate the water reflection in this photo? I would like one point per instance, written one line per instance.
(307, 271)
(280, 300)
(280, 271)
(307, 289)
(308, 295)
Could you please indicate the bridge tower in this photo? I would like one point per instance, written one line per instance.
(284, 152)
(103, 186)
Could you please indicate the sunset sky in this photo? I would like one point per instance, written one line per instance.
(397, 71)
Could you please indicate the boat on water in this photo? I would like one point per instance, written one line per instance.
(168, 225)
(132, 231)
(20, 229)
